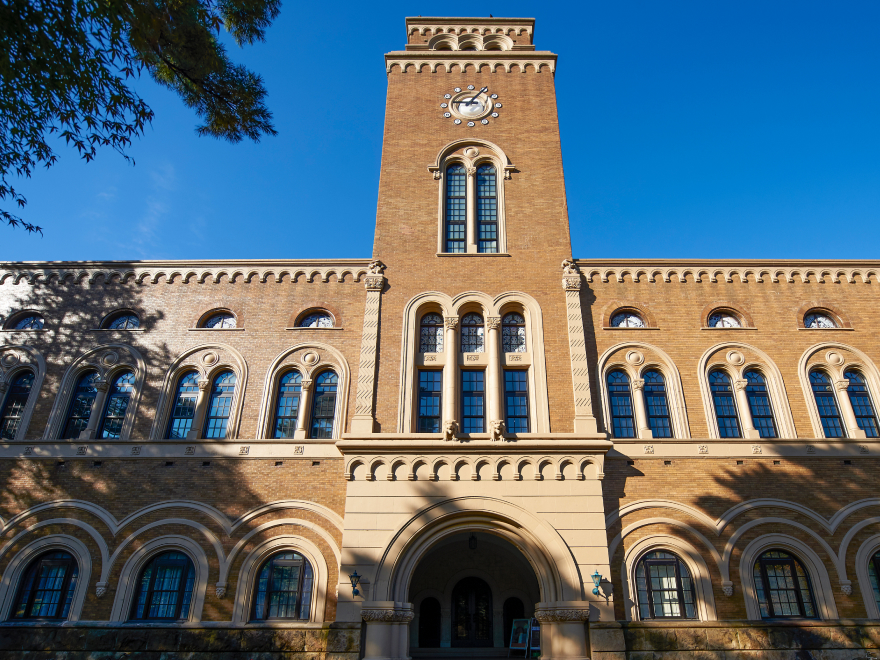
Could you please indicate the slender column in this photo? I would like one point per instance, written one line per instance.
(305, 403)
(365, 414)
(584, 421)
(846, 409)
(97, 409)
(471, 209)
(638, 392)
(195, 431)
(450, 373)
(494, 382)
(745, 411)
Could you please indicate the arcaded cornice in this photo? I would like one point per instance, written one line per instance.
(417, 60)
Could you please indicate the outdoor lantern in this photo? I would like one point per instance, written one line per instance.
(597, 580)
(355, 578)
(472, 541)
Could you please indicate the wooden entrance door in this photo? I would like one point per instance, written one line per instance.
(471, 613)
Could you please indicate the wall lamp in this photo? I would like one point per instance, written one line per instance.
(355, 579)
(597, 580)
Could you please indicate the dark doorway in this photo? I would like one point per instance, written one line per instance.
(429, 624)
(472, 613)
(513, 609)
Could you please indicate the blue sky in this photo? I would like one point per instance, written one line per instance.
(689, 130)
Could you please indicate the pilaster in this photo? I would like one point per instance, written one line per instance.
(365, 414)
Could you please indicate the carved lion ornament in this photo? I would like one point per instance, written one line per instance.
(450, 429)
(570, 268)
(497, 429)
(376, 267)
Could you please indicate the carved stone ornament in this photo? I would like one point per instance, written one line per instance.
(846, 588)
(203, 384)
(387, 615)
(450, 429)
(863, 449)
(562, 614)
(638, 384)
(649, 449)
(704, 449)
(451, 322)
(9, 359)
(740, 384)
(310, 359)
(841, 385)
(493, 322)
(110, 358)
(735, 358)
(756, 449)
(471, 171)
(437, 175)
(727, 589)
(376, 267)
(572, 283)
(834, 358)
(471, 152)
(811, 449)
(374, 282)
(101, 385)
(506, 174)
(306, 384)
(569, 267)
(635, 357)
(100, 589)
(497, 429)
(220, 589)
(209, 358)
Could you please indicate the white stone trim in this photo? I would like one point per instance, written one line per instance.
(9, 585)
(247, 575)
(27, 359)
(431, 60)
(867, 550)
(701, 578)
(131, 571)
(826, 608)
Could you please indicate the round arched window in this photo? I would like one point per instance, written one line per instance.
(220, 321)
(431, 334)
(819, 320)
(472, 333)
(665, 587)
(124, 321)
(513, 333)
(783, 586)
(627, 320)
(165, 587)
(317, 320)
(724, 319)
(28, 322)
(47, 588)
(284, 588)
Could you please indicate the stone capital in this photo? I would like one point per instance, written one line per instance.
(638, 384)
(571, 282)
(374, 282)
(203, 384)
(841, 385)
(102, 385)
(451, 322)
(493, 322)
(740, 384)
(306, 384)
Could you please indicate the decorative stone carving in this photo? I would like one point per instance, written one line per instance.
(506, 174)
(571, 276)
(374, 282)
(863, 449)
(649, 449)
(471, 171)
(569, 267)
(220, 589)
(100, 589)
(727, 588)
(811, 449)
(203, 384)
(376, 267)
(735, 358)
(9, 359)
(841, 385)
(136, 451)
(306, 384)
(703, 449)
(110, 358)
(493, 322)
(451, 322)
(756, 449)
(190, 451)
(638, 384)
(310, 359)
(471, 152)
(740, 384)
(834, 358)
(437, 175)
(562, 614)
(450, 429)
(496, 427)
(387, 615)
(846, 588)
(635, 357)
(210, 358)
(244, 450)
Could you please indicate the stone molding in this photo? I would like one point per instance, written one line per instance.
(584, 420)
(562, 613)
(534, 62)
(388, 614)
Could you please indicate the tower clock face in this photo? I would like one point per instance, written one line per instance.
(470, 106)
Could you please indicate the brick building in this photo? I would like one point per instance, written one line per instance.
(649, 457)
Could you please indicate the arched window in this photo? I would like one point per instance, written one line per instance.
(783, 586)
(117, 403)
(13, 406)
(123, 321)
(516, 400)
(317, 320)
(184, 406)
(725, 408)
(723, 319)
(874, 576)
(819, 320)
(220, 405)
(165, 588)
(627, 320)
(220, 321)
(456, 208)
(823, 391)
(430, 393)
(665, 587)
(81, 406)
(28, 322)
(324, 405)
(472, 333)
(860, 399)
(284, 588)
(759, 404)
(430, 623)
(487, 209)
(47, 588)
(513, 333)
(657, 405)
(431, 335)
(473, 401)
(622, 423)
(287, 410)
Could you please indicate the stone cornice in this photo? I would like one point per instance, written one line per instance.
(432, 59)
(425, 443)
(190, 271)
(468, 23)
(731, 270)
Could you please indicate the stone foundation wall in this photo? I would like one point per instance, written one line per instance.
(732, 640)
(335, 641)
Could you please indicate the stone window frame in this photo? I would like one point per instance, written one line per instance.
(208, 365)
(208, 312)
(490, 308)
(704, 595)
(744, 317)
(129, 576)
(328, 358)
(116, 313)
(243, 602)
(102, 360)
(15, 570)
(489, 42)
(835, 364)
(14, 317)
(823, 307)
(823, 593)
(734, 364)
(866, 551)
(476, 152)
(635, 363)
(298, 318)
(11, 368)
(616, 307)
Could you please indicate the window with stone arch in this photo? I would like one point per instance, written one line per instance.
(621, 403)
(184, 407)
(783, 587)
(324, 405)
(874, 576)
(431, 333)
(759, 404)
(862, 405)
(818, 319)
(665, 587)
(220, 405)
(724, 404)
(164, 588)
(826, 403)
(657, 404)
(627, 319)
(221, 320)
(287, 408)
(12, 411)
(487, 209)
(47, 587)
(513, 333)
(724, 318)
(80, 411)
(284, 589)
(472, 333)
(456, 208)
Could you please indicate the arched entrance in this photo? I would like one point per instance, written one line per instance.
(471, 613)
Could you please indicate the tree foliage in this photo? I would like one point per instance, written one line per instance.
(66, 68)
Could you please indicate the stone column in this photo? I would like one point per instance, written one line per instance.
(305, 402)
(563, 630)
(584, 421)
(365, 415)
(494, 381)
(472, 210)
(450, 372)
(387, 630)
(846, 410)
(102, 386)
(745, 411)
(641, 411)
(195, 431)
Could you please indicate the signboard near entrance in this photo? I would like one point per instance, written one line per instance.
(535, 640)
(519, 635)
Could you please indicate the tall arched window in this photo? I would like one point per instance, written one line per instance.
(860, 399)
(657, 405)
(287, 409)
(165, 588)
(783, 586)
(874, 576)
(284, 588)
(665, 587)
(725, 408)
(13, 406)
(47, 588)
(184, 406)
(431, 334)
(220, 404)
(513, 333)
(487, 209)
(456, 208)
(823, 391)
(622, 422)
(117, 403)
(472, 339)
(324, 405)
(81, 405)
(759, 404)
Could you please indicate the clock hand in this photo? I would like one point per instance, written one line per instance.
(485, 89)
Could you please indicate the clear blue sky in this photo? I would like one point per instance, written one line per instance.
(689, 129)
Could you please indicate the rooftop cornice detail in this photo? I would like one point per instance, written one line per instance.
(478, 59)
(468, 24)
(261, 270)
(742, 271)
